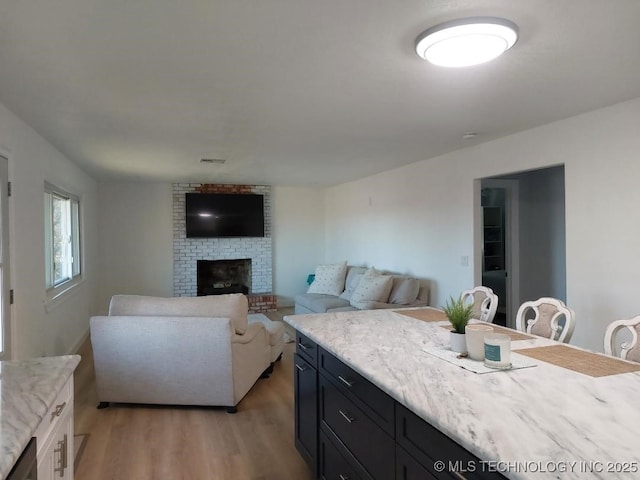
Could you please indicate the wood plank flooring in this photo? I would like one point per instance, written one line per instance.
(162, 443)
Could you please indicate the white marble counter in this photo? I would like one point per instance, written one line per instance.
(537, 422)
(28, 389)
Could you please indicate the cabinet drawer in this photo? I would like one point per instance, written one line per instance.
(59, 407)
(370, 445)
(336, 464)
(377, 404)
(306, 410)
(307, 349)
(407, 468)
(426, 444)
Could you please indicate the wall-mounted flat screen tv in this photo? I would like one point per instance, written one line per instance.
(213, 215)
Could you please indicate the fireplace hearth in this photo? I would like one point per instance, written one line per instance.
(218, 277)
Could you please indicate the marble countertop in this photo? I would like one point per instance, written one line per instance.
(28, 389)
(539, 422)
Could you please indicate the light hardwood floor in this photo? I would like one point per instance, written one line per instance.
(162, 443)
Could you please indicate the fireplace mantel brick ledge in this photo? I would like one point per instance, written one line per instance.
(262, 302)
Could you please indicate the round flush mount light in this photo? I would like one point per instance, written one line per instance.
(467, 41)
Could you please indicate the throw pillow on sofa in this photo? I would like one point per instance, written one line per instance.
(351, 283)
(404, 291)
(329, 279)
(372, 287)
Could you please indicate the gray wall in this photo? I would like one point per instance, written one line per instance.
(543, 265)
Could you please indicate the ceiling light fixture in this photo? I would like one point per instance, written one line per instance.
(467, 41)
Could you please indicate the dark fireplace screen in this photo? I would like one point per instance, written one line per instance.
(217, 277)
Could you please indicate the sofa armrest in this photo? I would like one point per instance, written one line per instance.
(253, 330)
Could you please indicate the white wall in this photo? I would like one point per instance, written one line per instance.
(40, 329)
(542, 234)
(135, 241)
(418, 218)
(298, 239)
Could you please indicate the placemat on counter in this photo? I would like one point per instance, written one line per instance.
(424, 314)
(513, 334)
(587, 363)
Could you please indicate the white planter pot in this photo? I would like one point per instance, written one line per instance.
(458, 342)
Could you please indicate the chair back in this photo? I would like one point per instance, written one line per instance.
(485, 303)
(547, 313)
(617, 345)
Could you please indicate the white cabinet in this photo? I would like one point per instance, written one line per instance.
(55, 438)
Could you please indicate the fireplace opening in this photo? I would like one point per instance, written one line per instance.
(218, 277)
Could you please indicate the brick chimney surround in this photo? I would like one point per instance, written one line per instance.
(187, 251)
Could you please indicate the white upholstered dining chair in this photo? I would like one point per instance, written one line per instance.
(621, 339)
(485, 303)
(543, 317)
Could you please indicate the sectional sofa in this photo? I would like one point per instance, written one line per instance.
(340, 287)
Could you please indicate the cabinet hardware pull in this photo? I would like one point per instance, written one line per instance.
(345, 381)
(62, 458)
(347, 417)
(65, 452)
(302, 346)
(58, 410)
(343, 477)
(300, 367)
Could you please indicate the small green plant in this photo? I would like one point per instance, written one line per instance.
(458, 313)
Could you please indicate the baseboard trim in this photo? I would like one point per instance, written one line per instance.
(77, 347)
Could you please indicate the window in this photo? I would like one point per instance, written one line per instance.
(62, 240)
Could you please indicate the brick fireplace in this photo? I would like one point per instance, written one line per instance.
(188, 251)
(217, 277)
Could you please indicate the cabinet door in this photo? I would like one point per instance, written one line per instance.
(334, 465)
(369, 444)
(55, 461)
(428, 446)
(409, 469)
(306, 410)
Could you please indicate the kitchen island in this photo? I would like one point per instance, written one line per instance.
(544, 421)
(30, 390)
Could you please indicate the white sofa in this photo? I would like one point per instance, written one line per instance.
(339, 287)
(178, 351)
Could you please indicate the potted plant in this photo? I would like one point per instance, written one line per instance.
(458, 314)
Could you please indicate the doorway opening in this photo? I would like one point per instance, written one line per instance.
(520, 245)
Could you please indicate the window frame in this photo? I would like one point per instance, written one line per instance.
(55, 288)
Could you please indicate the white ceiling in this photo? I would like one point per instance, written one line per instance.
(295, 92)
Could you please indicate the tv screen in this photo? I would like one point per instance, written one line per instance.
(211, 215)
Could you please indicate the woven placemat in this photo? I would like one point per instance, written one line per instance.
(424, 314)
(513, 334)
(587, 363)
